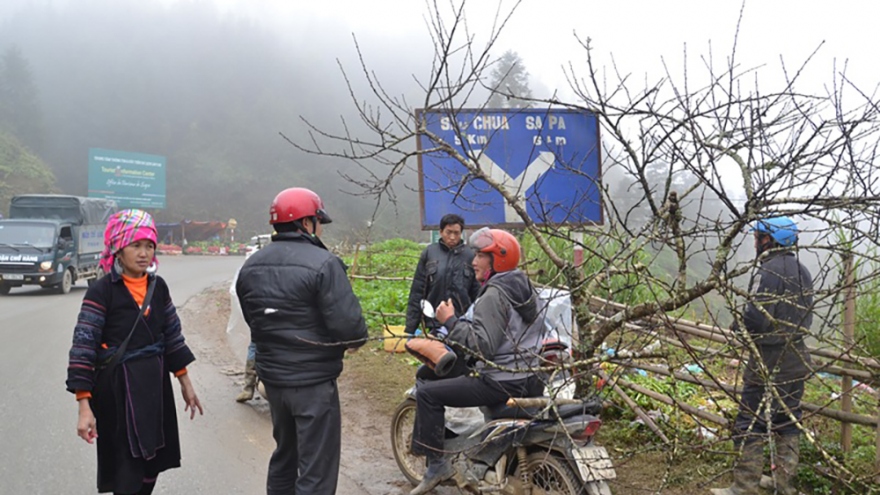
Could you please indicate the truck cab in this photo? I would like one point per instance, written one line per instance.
(52, 241)
(35, 252)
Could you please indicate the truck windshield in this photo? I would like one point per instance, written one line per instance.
(27, 234)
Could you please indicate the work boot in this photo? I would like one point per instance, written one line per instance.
(788, 449)
(439, 470)
(250, 382)
(747, 473)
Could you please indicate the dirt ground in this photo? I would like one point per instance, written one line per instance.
(372, 385)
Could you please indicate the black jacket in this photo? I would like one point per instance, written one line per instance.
(302, 312)
(783, 287)
(442, 273)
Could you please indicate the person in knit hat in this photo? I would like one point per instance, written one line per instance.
(127, 343)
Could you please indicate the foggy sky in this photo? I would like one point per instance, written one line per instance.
(169, 86)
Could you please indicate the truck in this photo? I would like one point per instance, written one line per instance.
(52, 240)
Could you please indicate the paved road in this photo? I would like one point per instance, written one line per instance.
(224, 452)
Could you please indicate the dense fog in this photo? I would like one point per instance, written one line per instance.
(210, 91)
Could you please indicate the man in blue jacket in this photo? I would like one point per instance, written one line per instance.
(303, 315)
(777, 319)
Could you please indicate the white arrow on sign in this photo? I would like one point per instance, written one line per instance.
(519, 185)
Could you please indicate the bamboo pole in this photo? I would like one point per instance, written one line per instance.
(877, 443)
(850, 417)
(725, 336)
(649, 422)
(849, 324)
(719, 420)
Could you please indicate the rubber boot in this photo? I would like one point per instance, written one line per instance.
(747, 473)
(439, 470)
(788, 450)
(250, 382)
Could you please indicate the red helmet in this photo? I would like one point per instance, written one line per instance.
(502, 245)
(296, 203)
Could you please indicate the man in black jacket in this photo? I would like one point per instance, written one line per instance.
(444, 272)
(777, 318)
(303, 314)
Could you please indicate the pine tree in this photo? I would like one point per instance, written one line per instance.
(19, 100)
(509, 83)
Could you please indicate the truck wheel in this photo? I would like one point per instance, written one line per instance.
(4, 289)
(66, 283)
(99, 274)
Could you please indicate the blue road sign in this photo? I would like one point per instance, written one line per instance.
(548, 158)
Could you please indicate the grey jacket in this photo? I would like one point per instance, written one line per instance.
(507, 328)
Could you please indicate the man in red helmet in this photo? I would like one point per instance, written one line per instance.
(506, 331)
(303, 314)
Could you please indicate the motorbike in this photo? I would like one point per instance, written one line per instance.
(528, 446)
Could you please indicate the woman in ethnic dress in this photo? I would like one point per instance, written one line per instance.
(126, 401)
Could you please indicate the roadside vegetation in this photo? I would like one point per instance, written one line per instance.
(700, 453)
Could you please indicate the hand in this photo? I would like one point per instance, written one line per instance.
(189, 396)
(86, 427)
(445, 311)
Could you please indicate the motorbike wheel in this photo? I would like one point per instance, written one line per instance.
(553, 476)
(412, 466)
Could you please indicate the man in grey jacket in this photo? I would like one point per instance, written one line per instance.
(503, 341)
(777, 319)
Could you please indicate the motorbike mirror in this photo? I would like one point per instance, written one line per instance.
(427, 308)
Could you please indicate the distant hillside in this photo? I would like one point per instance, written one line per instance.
(21, 172)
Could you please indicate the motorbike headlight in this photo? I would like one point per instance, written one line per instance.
(46, 265)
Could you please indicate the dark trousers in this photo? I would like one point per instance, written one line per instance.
(306, 425)
(462, 391)
(789, 369)
(146, 489)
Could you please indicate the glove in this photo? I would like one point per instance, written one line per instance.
(435, 354)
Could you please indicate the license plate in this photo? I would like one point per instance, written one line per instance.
(594, 463)
(13, 276)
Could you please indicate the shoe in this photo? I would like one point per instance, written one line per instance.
(250, 382)
(785, 470)
(747, 473)
(439, 470)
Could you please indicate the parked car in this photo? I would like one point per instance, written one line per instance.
(257, 242)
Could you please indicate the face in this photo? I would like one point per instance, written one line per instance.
(318, 227)
(760, 242)
(451, 235)
(482, 266)
(136, 257)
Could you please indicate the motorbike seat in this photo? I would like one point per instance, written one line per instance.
(503, 411)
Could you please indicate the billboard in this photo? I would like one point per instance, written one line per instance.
(549, 158)
(134, 180)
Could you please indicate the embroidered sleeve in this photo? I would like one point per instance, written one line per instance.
(86, 339)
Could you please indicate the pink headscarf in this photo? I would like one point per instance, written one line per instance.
(124, 228)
